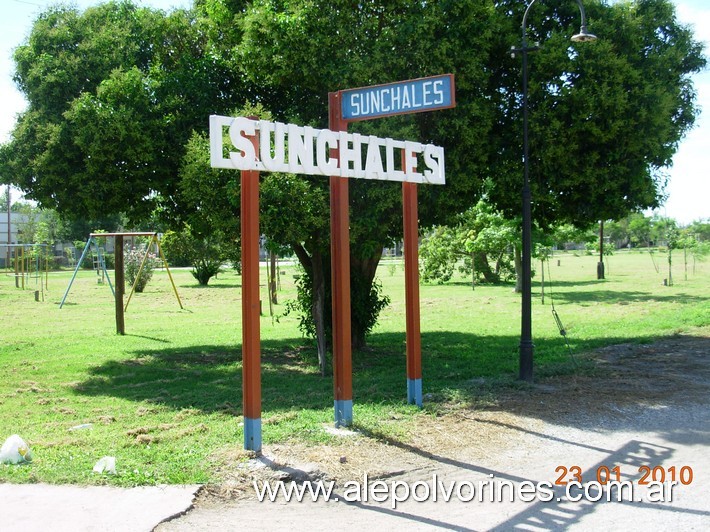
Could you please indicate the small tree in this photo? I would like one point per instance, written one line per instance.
(692, 246)
(639, 229)
(205, 254)
(674, 242)
(700, 251)
(43, 243)
(482, 233)
(438, 254)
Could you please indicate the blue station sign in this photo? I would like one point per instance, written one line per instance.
(403, 97)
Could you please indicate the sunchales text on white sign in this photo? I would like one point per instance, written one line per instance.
(306, 150)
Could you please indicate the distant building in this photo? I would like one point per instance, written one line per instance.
(9, 234)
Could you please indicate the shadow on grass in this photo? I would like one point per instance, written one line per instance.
(509, 284)
(197, 286)
(554, 283)
(622, 297)
(209, 377)
(152, 338)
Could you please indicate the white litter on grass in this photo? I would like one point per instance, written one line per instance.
(15, 451)
(82, 426)
(107, 464)
(260, 462)
(337, 431)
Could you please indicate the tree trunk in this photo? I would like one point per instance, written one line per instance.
(473, 271)
(362, 276)
(314, 266)
(499, 263)
(600, 264)
(319, 310)
(272, 279)
(483, 266)
(366, 268)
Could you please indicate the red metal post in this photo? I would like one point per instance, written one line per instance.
(411, 290)
(340, 271)
(251, 342)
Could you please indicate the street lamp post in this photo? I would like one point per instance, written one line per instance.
(526, 341)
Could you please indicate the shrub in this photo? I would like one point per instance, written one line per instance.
(132, 259)
(205, 254)
(365, 307)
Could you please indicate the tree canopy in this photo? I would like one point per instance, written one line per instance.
(114, 93)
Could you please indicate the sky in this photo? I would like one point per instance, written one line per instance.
(689, 187)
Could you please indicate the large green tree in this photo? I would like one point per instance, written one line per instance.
(297, 52)
(114, 93)
(605, 117)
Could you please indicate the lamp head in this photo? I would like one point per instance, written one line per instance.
(584, 35)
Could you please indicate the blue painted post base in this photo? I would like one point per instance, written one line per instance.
(343, 412)
(414, 392)
(252, 434)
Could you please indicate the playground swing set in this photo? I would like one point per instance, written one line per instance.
(117, 289)
(27, 261)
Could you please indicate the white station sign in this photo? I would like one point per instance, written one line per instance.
(304, 150)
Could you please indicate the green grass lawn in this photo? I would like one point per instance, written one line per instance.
(165, 399)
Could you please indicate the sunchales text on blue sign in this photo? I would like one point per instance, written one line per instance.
(425, 94)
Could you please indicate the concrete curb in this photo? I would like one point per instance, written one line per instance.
(41, 507)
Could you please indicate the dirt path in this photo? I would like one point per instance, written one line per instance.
(643, 406)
